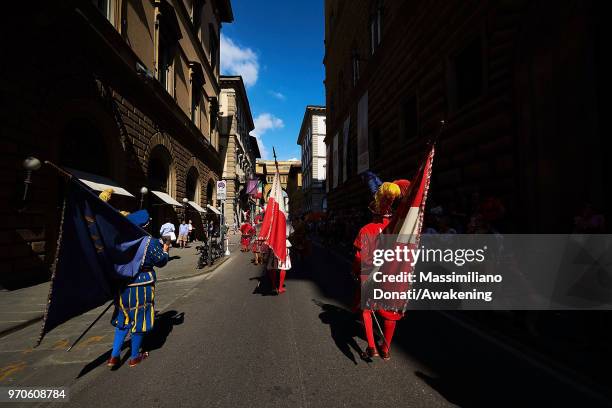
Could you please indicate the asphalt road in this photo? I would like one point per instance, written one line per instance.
(223, 344)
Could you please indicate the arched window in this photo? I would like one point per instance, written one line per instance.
(210, 188)
(192, 185)
(159, 170)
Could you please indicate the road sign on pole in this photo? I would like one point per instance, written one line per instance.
(221, 190)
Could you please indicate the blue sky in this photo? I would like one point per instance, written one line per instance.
(277, 47)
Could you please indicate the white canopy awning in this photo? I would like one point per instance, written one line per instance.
(197, 207)
(213, 209)
(166, 198)
(98, 183)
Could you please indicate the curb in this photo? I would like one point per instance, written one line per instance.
(37, 319)
(204, 271)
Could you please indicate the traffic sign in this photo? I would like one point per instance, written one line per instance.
(221, 190)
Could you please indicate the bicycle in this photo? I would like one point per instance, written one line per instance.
(206, 255)
(217, 251)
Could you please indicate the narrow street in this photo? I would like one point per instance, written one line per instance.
(219, 342)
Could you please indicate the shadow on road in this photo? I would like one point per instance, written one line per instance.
(331, 275)
(264, 285)
(344, 328)
(164, 323)
(102, 360)
(465, 367)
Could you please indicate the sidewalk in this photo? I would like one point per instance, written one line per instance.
(23, 307)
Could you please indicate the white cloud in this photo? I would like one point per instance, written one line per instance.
(277, 95)
(237, 60)
(294, 159)
(264, 122)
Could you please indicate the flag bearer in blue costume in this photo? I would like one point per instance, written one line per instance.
(134, 304)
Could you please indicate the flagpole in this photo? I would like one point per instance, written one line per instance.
(275, 162)
(91, 325)
(59, 169)
(381, 330)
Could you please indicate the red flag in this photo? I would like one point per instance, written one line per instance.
(274, 226)
(406, 224)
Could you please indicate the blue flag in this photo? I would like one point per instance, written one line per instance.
(98, 252)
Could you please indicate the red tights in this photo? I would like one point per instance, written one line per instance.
(388, 330)
(277, 277)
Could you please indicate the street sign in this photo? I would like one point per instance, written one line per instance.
(221, 190)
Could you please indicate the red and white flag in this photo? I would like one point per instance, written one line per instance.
(406, 225)
(274, 226)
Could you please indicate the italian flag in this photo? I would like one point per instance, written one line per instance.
(274, 226)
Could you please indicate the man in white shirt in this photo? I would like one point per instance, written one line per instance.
(167, 232)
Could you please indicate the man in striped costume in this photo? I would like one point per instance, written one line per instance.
(134, 304)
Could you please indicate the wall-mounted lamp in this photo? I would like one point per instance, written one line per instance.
(30, 164)
(143, 191)
(185, 201)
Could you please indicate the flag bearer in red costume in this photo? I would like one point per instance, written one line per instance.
(247, 231)
(405, 226)
(365, 243)
(274, 232)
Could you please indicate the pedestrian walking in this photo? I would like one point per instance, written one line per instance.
(167, 233)
(134, 304)
(183, 234)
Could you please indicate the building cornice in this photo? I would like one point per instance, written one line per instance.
(236, 82)
(197, 45)
(308, 113)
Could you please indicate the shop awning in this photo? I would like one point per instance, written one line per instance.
(213, 209)
(197, 207)
(166, 198)
(98, 183)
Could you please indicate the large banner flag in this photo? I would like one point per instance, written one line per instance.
(274, 225)
(98, 250)
(252, 187)
(405, 227)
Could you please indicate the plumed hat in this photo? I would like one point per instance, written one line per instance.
(106, 194)
(140, 217)
(385, 195)
(372, 180)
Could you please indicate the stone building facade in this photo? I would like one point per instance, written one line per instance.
(126, 90)
(312, 142)
(520, 85)
(239, 150)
